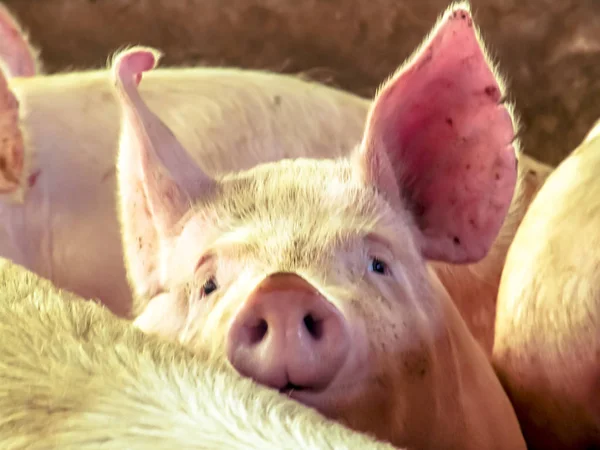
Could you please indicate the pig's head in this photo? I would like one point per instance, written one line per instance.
(310, 276)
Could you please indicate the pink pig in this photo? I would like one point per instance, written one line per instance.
(310, 275)
(547, 349)
(59, 139)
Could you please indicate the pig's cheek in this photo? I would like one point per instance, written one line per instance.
(214, 325)
(162, 316)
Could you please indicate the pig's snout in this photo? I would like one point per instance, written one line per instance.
(288, 336)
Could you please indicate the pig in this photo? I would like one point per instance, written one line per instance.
(547, 348)
(74, 376)
(310, 276)
(58, 214)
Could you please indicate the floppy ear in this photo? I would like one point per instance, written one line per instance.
(439, 134)
(17, 55)
(157, 178)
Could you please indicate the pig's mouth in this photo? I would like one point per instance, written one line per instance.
(291, 387)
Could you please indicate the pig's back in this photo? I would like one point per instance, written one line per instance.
(229, 119)
(548, 321)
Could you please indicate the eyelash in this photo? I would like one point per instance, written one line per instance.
(379, 267)
(209, 287)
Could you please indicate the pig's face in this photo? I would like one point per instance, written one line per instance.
(310, 276)
(345, 241)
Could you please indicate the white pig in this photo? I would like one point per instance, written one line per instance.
(547, 349)
(75, 377)
(58, 214)
(310, 275)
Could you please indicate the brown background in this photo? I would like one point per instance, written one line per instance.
(548, 49)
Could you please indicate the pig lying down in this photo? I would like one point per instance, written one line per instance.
(73, 376)
(310, 276)
(60, 219)
(547, 351)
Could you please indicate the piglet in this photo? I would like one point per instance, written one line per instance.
(73, 376)
(547, 348)
(309, 276)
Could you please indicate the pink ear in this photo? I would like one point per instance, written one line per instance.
(439, 133)
(16, 53)
(157, 178)
(11, 140)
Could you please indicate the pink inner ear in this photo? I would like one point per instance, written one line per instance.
(449, 140)
(15, 52)
(11, 140)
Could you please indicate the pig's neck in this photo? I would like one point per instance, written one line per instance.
(483, 416)
(474, 287)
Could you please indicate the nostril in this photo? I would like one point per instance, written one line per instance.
(258, 332)
(314, 327)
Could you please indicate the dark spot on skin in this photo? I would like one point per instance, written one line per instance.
(277, 100)
(108, 173)
(463, 15)
(470, 23)
(449, 121)
(532, 172)
(418, 209)
(426, 59)
(468, 167)
(416, 363)
(456, 240)
(32, 179)
(491, 91)
(497, 176)
(473, 223)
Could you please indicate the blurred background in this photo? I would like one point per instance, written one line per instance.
(549, 50)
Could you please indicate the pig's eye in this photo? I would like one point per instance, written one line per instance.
(209, 287)
(378, 266)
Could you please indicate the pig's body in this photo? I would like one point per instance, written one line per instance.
(73, 376)
(547, 349)
(62, 223)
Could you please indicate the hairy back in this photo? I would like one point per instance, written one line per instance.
(73, 376)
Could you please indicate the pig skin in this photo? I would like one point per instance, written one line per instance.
(547, 348)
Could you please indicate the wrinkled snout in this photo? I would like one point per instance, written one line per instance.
(287, 335)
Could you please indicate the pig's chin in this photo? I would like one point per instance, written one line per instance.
(327, 400)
